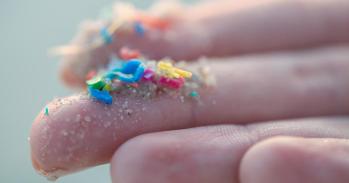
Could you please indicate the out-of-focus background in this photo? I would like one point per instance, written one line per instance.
(28, 76)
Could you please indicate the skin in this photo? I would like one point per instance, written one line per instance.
(278, 114)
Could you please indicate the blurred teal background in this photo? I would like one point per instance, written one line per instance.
(29, 76)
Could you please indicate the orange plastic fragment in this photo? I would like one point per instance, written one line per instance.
(153, 22)
(127, 54)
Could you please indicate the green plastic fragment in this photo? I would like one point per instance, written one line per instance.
(96, 83)
(194, 94)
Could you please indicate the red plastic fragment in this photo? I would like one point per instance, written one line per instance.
(174, 83)
(153, 22)
(127, 54)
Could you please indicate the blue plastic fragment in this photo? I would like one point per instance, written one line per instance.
(132, 71)
(107, 38)
(139, 28)
(131, 66)
(102, 96)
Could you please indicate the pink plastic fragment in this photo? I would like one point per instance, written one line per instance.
(90, 74)
(174, 83)
(148, 75)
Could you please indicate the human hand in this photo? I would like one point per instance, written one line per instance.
(256, 97)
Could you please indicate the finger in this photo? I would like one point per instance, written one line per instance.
(213, 154)
(247, 91)
(240, 27)
(82, 55)
(260, 26)
(300, 160)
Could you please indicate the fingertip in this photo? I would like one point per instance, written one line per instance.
(292, 159)
(78, 132)
(59, 142)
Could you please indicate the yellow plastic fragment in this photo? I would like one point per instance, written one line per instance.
(107, 87)
(169, 70)
(184, 73)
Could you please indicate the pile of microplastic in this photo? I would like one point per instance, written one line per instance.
(134, 74)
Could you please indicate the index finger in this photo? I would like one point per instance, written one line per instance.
(79, 132)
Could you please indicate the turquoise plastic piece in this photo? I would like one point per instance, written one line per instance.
(194, 94)
(110, 75)
(115, 64)
(46, 111)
